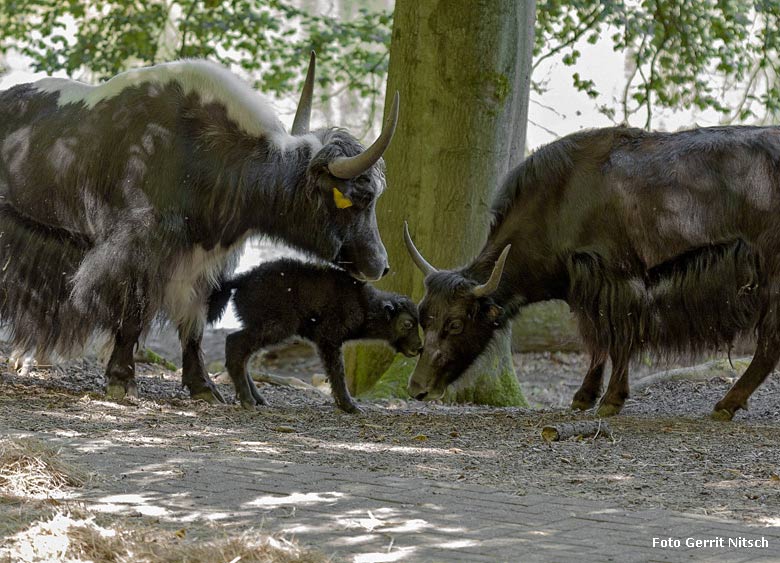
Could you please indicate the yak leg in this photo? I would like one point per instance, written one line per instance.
(120, 372)
(589, 391)
(764, 361)
(194, 374)
(334, 368)
(239, 347)
(617, 391)
(259, 399)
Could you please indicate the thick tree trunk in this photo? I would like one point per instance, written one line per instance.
(462, 68)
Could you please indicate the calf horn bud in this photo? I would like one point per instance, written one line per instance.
(302, 119)
(495, 276)
(417, 258)
(348, 167)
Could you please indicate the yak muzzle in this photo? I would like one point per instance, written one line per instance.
(425, 384)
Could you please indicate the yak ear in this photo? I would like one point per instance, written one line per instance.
(340, 191)
(492, 312)
(389, 309)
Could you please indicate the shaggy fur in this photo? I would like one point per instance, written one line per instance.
(660, 242)
(323, 304)
(125, 201)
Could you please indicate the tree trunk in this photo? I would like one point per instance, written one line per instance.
(462, 68)
(546, 327)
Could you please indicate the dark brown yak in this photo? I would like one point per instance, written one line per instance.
(659, 242)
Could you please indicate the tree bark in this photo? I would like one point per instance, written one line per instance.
(546, 327)
(462, 68)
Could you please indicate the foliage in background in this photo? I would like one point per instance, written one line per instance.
(680, 54)
(272, 36)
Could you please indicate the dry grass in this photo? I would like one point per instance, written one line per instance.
(32, 476)
(31, 469)
(78, 538)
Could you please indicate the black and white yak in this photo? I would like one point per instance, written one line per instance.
(661, 242)
(127, 200)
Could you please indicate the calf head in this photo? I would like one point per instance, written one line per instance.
(347, 179)
(404, 325)
(458, 317)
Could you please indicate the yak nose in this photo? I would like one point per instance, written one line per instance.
(387, 269)
(421, 396)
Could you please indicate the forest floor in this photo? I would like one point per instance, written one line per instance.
(664, 451)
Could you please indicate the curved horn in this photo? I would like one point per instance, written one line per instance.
(419, 261)
(347, 167)
(302, 119)
(495, 276)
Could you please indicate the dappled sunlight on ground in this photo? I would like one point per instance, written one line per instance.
(345, 482)
(295, 499)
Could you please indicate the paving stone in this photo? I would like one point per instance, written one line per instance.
(351, 513)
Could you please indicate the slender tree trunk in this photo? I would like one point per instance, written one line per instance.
(462, 68)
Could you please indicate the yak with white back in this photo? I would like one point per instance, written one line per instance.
(127, 200)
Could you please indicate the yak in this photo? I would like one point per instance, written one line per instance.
(663, 243)
(124, 202)
(318, 302)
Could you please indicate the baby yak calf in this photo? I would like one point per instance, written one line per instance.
(320, 303)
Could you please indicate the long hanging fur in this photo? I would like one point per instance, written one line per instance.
(702, 300)
(123, 202)
(36, 265)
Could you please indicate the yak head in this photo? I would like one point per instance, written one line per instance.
(459, 318)
(401, 313)
(346, 179)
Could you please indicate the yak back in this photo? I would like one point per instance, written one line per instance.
(295, 294)
(550, 167)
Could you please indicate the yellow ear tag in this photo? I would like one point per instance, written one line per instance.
(342, 201)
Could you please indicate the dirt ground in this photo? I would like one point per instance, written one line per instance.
(664, 452)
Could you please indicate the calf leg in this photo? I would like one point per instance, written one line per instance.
(120, 372)
(334, 369)
(194, 374)
(589, 391)
(259, 399)
(764, 361)
(617, 391)
(239, 347)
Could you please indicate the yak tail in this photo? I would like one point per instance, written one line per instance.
(219, 299)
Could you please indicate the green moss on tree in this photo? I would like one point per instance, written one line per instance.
(490, 381)
(364, 365)
(392, 384)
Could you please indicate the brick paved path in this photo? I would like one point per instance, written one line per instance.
(361, 516)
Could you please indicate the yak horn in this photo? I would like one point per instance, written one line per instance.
(495, 277)
(348, 167)
(419, 261)
(302, 119)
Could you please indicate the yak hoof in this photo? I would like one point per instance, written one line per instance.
(581, 405)
(211, 396)
(119, 390)
(250, 405)
(259, 400)
(725, 410)
(350, 408)
(608, 409)
(723, 415)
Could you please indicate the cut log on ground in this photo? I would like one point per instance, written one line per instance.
(699, 372)
(583, 429)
